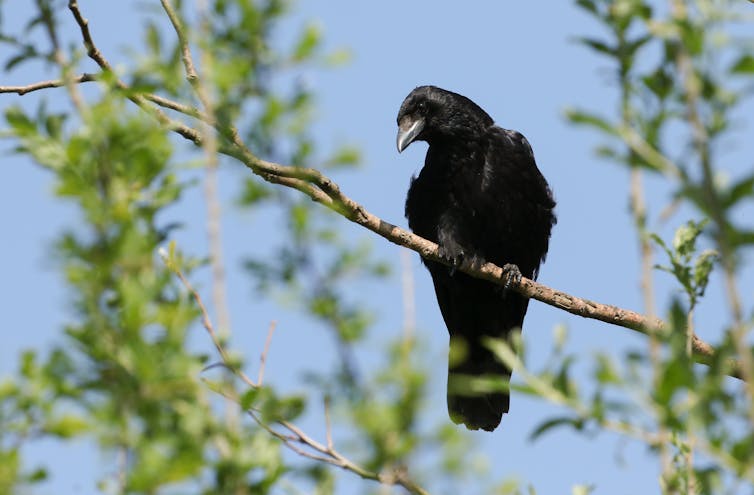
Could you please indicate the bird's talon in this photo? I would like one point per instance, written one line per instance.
(477, 262)
(454, 257)
(511, 275)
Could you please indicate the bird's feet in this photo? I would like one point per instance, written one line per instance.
(455, 255)
(511, 275)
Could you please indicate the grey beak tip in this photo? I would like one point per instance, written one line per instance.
(408, 133)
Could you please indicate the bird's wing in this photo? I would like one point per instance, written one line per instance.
(514, 203)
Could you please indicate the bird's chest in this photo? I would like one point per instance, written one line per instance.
(445, 190)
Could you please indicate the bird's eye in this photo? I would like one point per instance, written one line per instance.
(422, 107)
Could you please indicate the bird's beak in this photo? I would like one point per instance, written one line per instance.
(408, 130)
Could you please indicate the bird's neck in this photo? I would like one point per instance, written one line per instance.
(445, 157)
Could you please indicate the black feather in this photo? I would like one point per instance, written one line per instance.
(480, 196)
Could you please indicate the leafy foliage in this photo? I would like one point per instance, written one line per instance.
(125, 377)
(674, 111)
(124, 374)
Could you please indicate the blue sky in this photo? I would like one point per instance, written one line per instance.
(515, 59)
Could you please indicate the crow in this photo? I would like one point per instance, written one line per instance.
(480, 197)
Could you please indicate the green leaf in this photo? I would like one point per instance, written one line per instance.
(299, 216)
(684, 241)
(249, 398)
(24, 56)
(742, 237)
(744, 65)
(740, 190)
(153, 38)
(21, 124)
(563, 380)
(67, 426)
(548, 425)
(633, 46)
(658, 240)
(291, 407)
(598, 46)
(255, 191)
(606, 371)
(307, 43)
(338, 57)
(585, 118)
(588, 5)
(659, 82)
(39, 474)
(345, 156)
(702, 269)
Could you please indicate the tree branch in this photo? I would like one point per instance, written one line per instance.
(329, 194)
(54, 83)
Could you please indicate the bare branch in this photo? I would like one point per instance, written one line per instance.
(342, 204)
(207, 322)
(263, 356)
(329, 454)
(91, 49)
(86, 77)
(93, 52)
(53, 83)
(328, 426)
(211, 181)
(48, 20)
(188, 62)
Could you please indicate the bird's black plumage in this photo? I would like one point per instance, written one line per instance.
(479, 196)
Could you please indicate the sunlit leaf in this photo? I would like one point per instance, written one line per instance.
(548, 425)
(589, 119)
(744, 65)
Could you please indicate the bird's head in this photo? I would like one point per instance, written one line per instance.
(429, 112)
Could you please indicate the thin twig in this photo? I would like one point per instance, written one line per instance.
(188, 62)
(53, 83)
(328, 426)
(330, 455)
(48, 20)
(91, 49)
(211, 180)
(207, 322)
(647, 152)
(93, 52)
(87, 77)
(327, 453)
(122, 475)
(263, 356)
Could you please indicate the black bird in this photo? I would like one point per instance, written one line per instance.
(480, 197)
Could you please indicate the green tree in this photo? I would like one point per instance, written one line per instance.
(207, 87)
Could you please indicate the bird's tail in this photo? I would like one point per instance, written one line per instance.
(477, 385)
